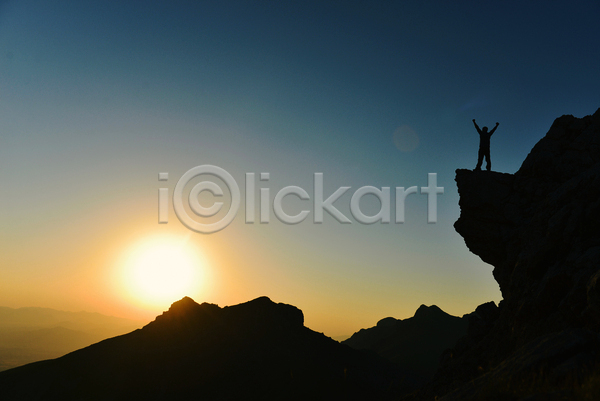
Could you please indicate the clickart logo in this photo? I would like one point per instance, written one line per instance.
(206, 220)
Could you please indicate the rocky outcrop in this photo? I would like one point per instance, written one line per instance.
(539, 229)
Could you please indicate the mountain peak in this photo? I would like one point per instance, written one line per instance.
(387, 322)
(264, 311)
(186, 315)
(187, 306)
(415, 343)
(183, 303)
(425, 311)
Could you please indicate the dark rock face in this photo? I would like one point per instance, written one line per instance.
(256, 350)
(539, 229)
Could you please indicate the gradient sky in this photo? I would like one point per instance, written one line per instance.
(98, 97)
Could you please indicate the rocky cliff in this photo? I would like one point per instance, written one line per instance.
(539, 229)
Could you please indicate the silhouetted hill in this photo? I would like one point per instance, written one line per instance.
(33, 334)
(539, 229)
(416, 343)
(255, 350)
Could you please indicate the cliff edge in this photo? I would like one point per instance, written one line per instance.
(539, 229)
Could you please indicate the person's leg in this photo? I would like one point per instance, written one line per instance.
(488, 162)
(479, 160)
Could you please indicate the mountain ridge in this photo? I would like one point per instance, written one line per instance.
(255, 349)
(415, 343)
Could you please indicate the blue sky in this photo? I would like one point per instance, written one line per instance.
(98, 97)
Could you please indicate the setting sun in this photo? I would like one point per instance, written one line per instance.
(159, 271)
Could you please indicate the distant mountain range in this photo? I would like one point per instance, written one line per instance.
(416, 343)
(258, 349)
(255, 350)
(33, 334)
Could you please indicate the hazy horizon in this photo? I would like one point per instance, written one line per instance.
(98, 98)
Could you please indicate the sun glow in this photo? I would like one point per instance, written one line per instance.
(160, 271)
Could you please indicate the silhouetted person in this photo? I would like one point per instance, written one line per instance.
(484, 146)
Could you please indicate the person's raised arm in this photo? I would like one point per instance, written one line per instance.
(476, 126)
(494, 129)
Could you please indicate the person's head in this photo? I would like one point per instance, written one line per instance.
(484, 129)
